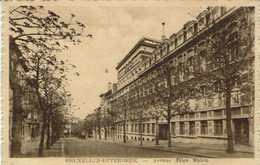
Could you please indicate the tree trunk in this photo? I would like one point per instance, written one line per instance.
(42, 134)
(124, 129)
(169, 102)
(169, 132)
(141, 130)
(114, 131)
(16, 139)
(228, 118)
(99, 130)
(52, 136)
(48, 141)
(108, 130)
(105, 132)
(156, 131)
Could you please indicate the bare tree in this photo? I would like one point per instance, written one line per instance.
(167, 92)
(123, 103)
(139, 103)
(39, 32)
(223, 55)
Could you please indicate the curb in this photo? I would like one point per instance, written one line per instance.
(173, 151)
(247, 152)
(165, 150)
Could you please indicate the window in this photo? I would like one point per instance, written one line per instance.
(215, 13)
(185, 35)
(195, 28)
(180, 38)
(218, 113)
(202, 22)
(182, 128)
(203, 89)
(190, 32)
(136, 128)
(148, 128)
(204, 127)
(153, 128)
(191, 93)
(233, 36)
(192, 115)
(176, 42)
(132, 128)
(173, 132)
(233, 46)
(223, 10)
(218, 127)
(192, 128)
(203, 114)
(171, 43)
(234, 52)
(143, 128)
(217, 61)
(217, 86)
(235, 81)
(190, 63)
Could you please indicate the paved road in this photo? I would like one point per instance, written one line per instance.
(91, 148)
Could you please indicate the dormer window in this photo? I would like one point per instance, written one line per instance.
(195, 27)
(202, 22)
(215, 13)
(172, 43)
(180, 38)
(223, 10)
(184, 36)
(190, 32)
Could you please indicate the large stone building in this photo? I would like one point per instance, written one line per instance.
(205, 122)
(24, 115)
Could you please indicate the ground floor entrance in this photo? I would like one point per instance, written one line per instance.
(241, 131)
(163, 131)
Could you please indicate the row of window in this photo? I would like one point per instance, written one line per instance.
(136, 128)
(204, 128)
(189, 93)
(190, 130)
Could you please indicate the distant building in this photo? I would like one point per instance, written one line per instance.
(105, 108)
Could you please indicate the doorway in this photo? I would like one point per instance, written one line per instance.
(163, 131)
(241, 127)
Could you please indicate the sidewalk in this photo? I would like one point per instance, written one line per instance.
(200, 150)
(31, 150)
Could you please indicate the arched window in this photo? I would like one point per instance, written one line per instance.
(190, 61)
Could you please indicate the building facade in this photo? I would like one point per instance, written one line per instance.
(205, 121)
(105, 110)
(23, 107)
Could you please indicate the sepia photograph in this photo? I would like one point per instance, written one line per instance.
(130, 82)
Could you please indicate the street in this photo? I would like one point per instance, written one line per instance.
(93, 148)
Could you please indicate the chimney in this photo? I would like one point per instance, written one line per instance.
(109, 86)
(163, 32)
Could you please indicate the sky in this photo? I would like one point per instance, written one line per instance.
(115, 29)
